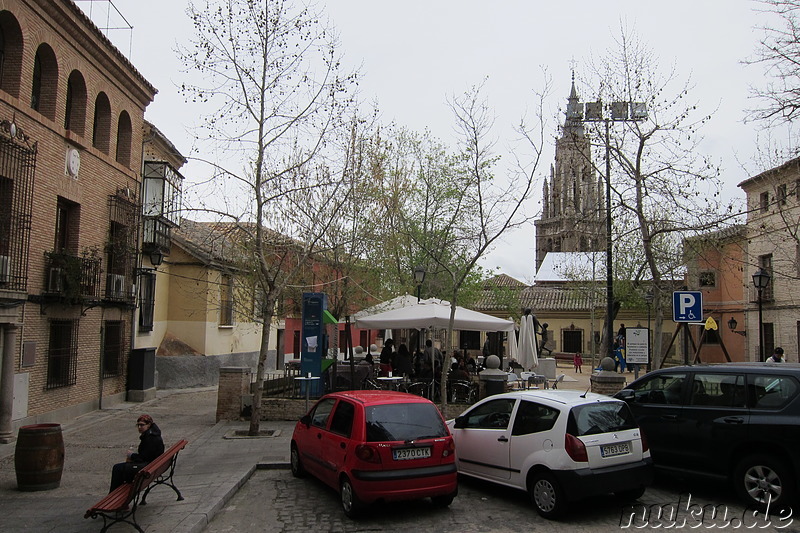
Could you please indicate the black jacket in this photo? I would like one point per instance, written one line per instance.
(150, 445)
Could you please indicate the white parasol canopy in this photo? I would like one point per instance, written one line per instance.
(433, 313)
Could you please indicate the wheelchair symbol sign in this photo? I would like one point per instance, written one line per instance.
(687, 306)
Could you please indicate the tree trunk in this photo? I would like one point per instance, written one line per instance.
(258, 392)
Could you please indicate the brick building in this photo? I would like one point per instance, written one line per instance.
(71, 125)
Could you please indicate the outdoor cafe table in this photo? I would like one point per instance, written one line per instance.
(391, 382)
(538, 379)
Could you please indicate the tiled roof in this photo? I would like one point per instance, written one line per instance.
(211, 242)
(541, 299)
(503, 280)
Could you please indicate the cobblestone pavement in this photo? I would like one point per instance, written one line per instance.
(274, 501)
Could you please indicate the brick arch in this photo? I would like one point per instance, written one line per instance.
(44, 86)
(124, 134)
(101, 130)
(75, 110)
(12, 43)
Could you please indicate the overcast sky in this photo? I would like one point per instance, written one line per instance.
(415, 53)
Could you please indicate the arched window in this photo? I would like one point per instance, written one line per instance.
(45, 82)
(124, 139)
(75, 112)
(10, 53)
(101, 131)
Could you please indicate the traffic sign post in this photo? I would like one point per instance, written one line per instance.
(687, 306)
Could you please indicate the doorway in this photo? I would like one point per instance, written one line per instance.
(573, 341)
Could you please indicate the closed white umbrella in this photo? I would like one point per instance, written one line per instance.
(524, 347)
(528, 357)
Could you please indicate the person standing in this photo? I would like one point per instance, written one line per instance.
(433, 356)
(402, 361)
(777, 356)
(151, 445)
(387, 354)
(577, 361)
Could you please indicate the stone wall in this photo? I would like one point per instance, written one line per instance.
(186, 371)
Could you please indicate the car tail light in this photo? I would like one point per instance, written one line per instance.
(645, 444)
(575, 449)
(368, 453)
(449, 448)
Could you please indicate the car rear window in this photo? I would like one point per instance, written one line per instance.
(603, 417)
(404, 422)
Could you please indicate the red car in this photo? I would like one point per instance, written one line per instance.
(374, 445)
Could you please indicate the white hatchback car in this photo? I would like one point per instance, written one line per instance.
(558, 445)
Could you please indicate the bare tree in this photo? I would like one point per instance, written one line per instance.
(663, 189)
(270, 71)
(779, 53)
(459, 212)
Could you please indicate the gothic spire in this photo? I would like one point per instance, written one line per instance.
(573, 124)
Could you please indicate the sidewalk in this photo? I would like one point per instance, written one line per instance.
(209, 471)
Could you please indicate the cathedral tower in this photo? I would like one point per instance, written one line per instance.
(573, 211)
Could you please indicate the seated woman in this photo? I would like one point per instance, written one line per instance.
(151, 445)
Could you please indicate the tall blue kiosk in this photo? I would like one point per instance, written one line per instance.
(314, 342)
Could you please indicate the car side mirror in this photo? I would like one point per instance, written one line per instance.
(460, 422)
(306, 420)
(627, 395)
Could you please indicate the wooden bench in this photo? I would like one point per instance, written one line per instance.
(120, 504)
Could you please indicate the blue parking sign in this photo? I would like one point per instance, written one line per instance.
(687, 306)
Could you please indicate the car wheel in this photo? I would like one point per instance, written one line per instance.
(630, 495)
(547, 496)
(443, 501)
(761, 480)
(350, 504)
(297, 465)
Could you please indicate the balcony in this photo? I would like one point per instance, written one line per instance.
(70, 278)
(161, 205)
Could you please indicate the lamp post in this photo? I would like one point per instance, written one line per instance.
(620, 112)
(419, 277)
(760, 281)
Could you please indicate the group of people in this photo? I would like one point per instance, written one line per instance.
(424, 364)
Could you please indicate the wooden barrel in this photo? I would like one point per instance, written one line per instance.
(39, 457)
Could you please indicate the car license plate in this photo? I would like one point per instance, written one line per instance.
(402, 454)
(610, 450)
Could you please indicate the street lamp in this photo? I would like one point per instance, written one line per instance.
(620, 112)
(419, 277)
(761, 281)
(732, 323)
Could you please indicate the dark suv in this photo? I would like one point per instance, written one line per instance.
(739, 421)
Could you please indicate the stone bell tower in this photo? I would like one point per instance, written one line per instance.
(573, 202)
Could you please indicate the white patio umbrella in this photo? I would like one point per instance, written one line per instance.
(433, 313)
